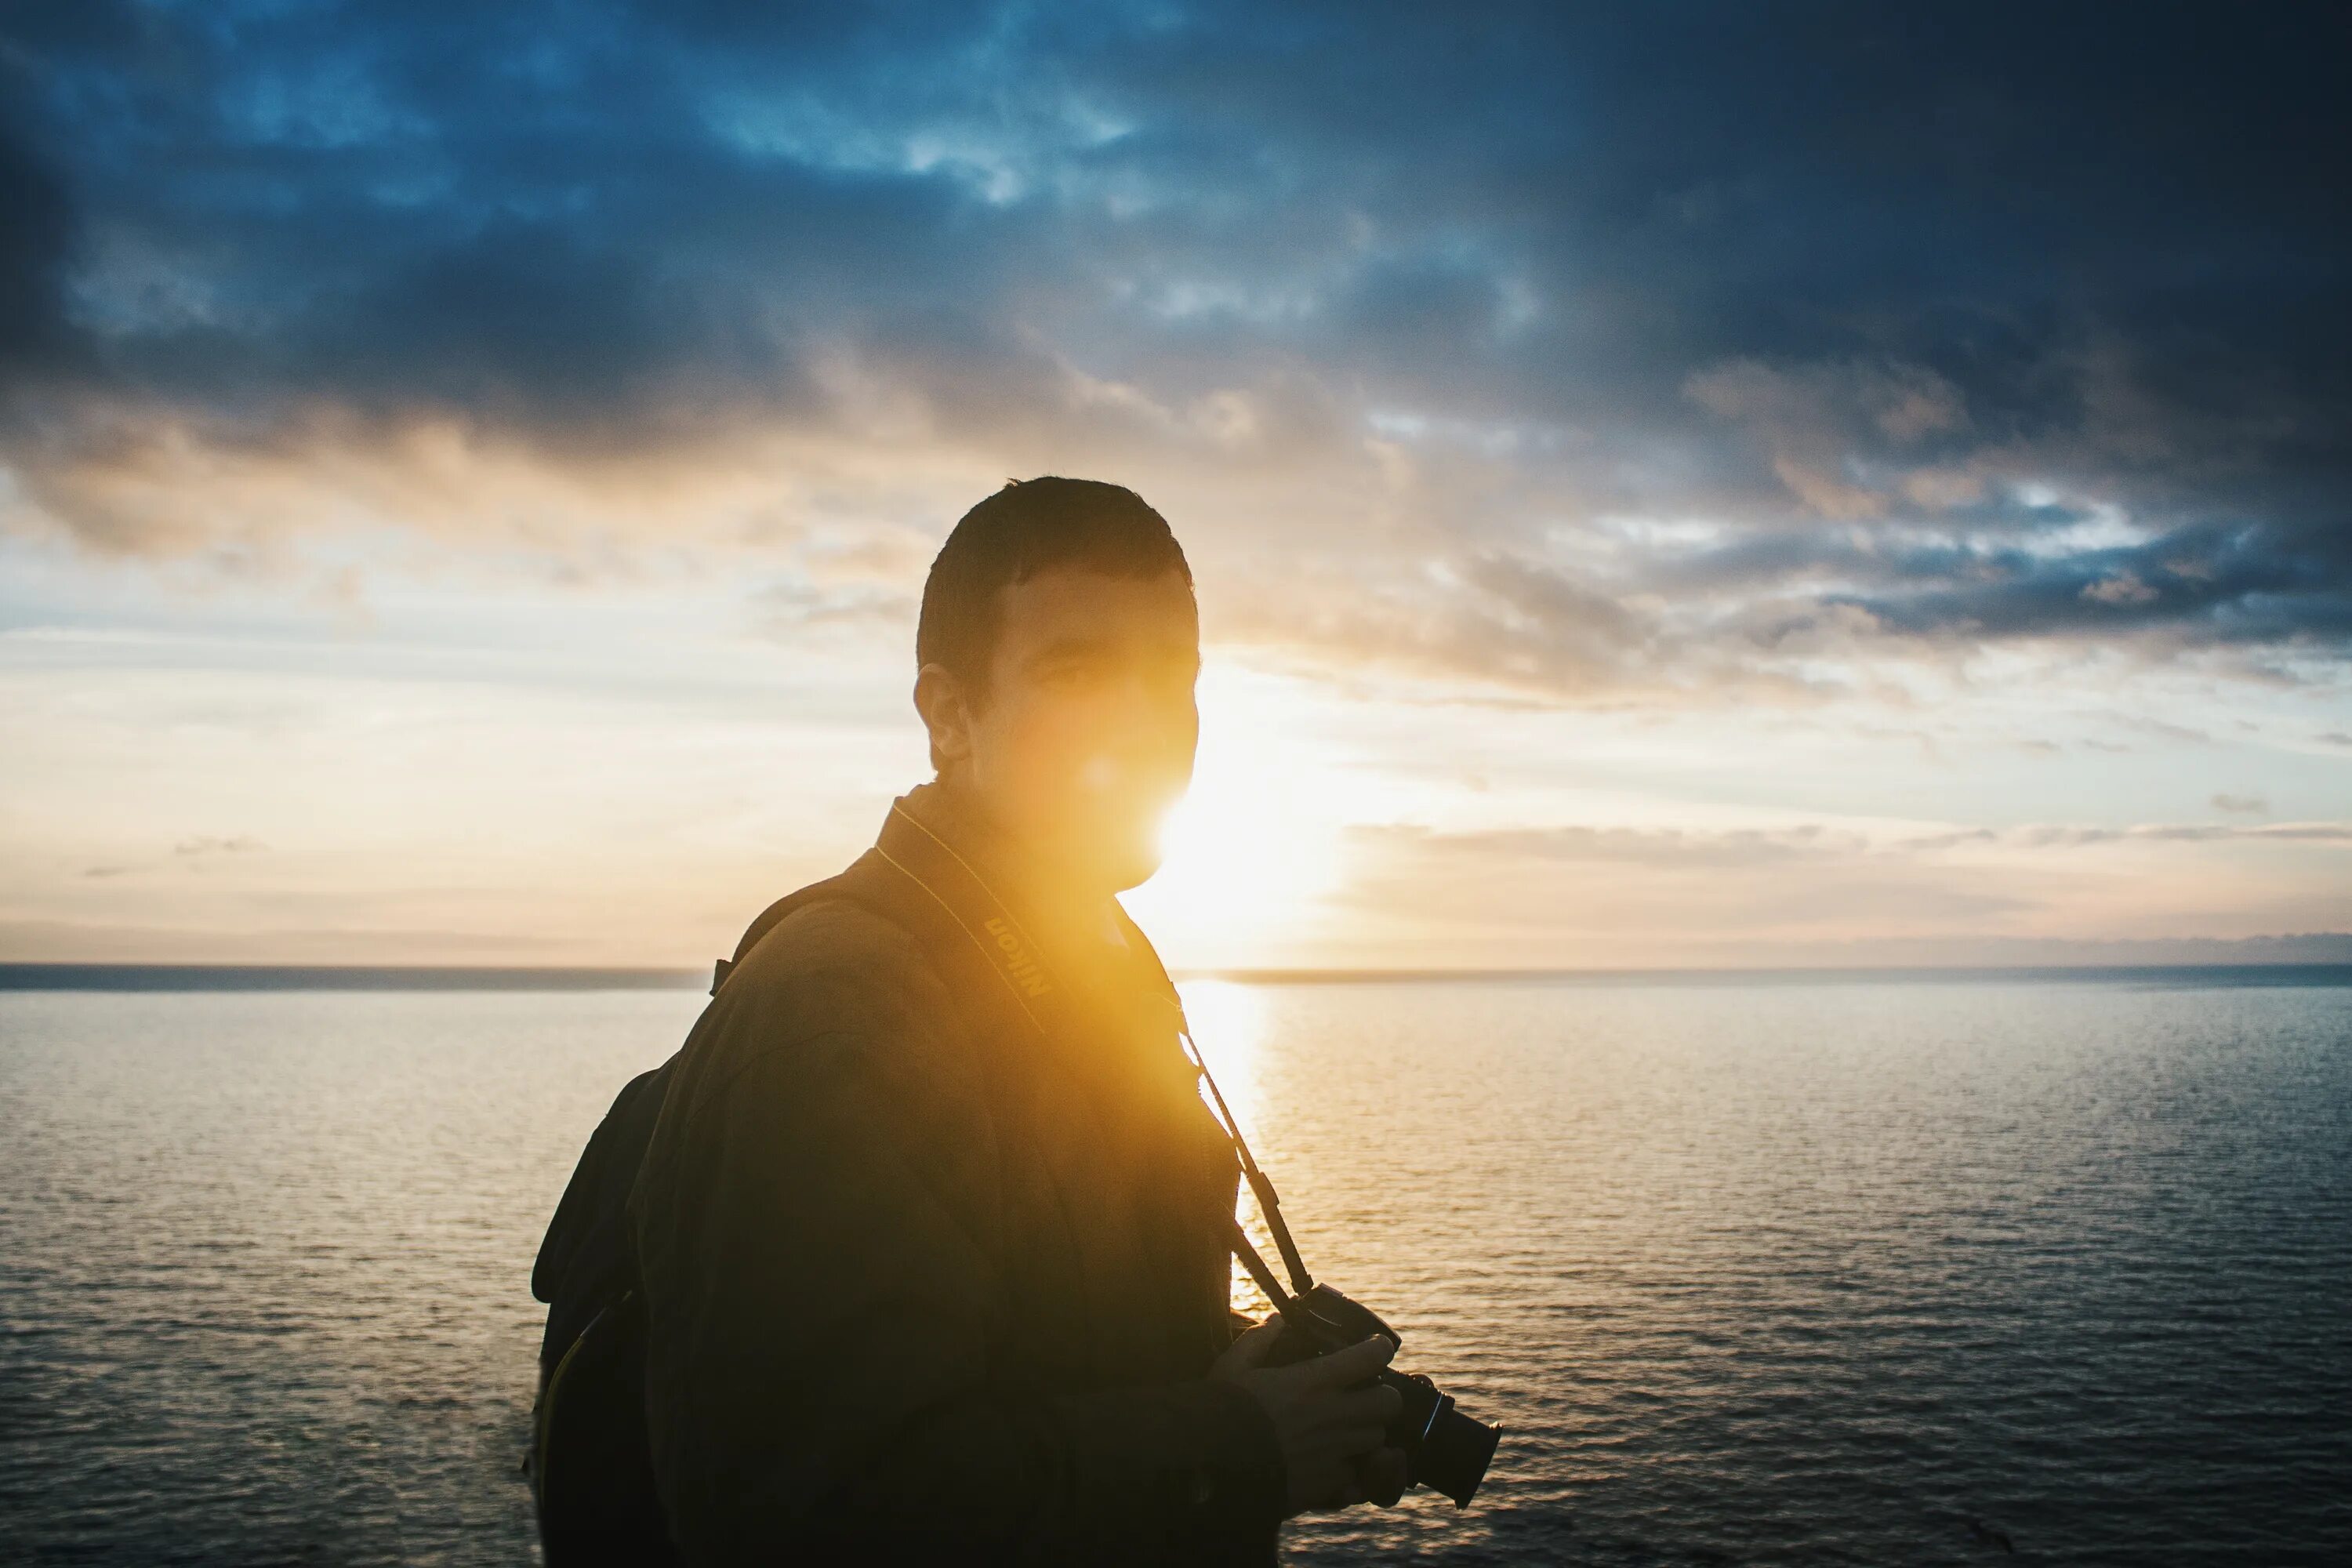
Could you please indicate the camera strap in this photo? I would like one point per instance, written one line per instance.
(932, 865)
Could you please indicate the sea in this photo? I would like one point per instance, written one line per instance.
(1888, 1269)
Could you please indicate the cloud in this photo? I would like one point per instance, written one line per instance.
(1610, 368)
(2067, 837)
(2246, 805)
(1732, 848)
(1672, 885)
(788, 608)
(1810, 419)
(1608, 894)
(207, 843)
(2124, 588)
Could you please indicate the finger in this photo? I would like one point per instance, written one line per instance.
(1382, 1475)
(1347, 1494)
(1250, 1346)
(1374, 1406)
(1353, 1442)
(1351, 1409)
(1353, 1364)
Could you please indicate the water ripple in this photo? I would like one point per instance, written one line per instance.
(1782, 1273)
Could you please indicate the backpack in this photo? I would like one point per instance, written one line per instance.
(591, 1460)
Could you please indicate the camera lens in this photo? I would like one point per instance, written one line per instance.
(1455, 1455)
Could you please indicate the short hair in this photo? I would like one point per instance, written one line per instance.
(1023, 529)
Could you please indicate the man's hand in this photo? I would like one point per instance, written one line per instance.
(1329, 1423)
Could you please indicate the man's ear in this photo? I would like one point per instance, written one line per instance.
(940, 698)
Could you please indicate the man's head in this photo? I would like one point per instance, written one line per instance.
(1056, 655)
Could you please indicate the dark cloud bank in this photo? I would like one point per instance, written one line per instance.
(1652, 345)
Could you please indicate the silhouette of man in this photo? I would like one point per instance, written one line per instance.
(920, 1285)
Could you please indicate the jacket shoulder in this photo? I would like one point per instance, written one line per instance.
(830, 939)
(831, 976)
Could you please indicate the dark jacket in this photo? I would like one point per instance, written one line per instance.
(922, 1283)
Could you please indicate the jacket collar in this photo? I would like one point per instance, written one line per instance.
(1094, 945)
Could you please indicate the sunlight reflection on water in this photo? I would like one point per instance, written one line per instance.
(1228, 1023)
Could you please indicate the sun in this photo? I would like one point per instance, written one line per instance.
(1254, 846)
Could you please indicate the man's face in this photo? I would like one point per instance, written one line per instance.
(1087, 732)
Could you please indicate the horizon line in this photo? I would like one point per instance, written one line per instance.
(118, 975)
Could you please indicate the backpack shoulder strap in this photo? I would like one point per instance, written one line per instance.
(840, 885)
(869, 882)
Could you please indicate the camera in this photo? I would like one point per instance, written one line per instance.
(1444, 1450)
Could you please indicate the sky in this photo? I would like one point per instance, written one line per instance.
(1665, 484)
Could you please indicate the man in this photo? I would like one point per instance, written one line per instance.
(934, 1253)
